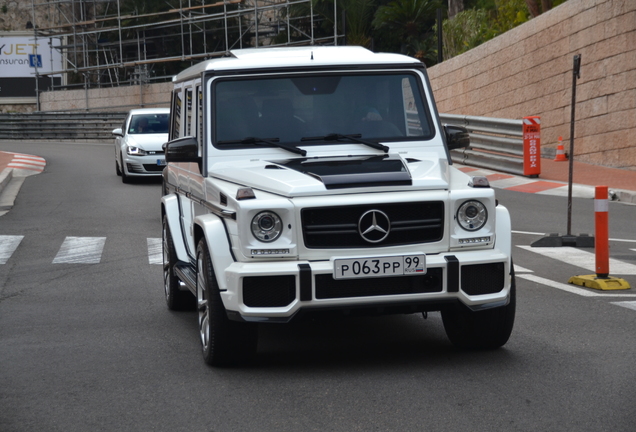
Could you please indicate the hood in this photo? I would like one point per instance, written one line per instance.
(348, 174)
(148, 142)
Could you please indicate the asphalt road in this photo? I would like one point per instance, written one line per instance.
(92, 347)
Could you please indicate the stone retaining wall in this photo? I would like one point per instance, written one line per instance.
(528, 71)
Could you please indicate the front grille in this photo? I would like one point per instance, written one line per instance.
(154, 167)
(327, 287)
(481, 279)
(269, 291)
(337, 227)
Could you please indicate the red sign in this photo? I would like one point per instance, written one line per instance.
(532, 146)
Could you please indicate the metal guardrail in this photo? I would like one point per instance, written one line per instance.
(60, 125)
(495, 143)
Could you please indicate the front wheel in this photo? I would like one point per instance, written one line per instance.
(487, 329)
(224, 342)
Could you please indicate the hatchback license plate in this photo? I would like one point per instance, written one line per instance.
(161, 162)
(404, 265)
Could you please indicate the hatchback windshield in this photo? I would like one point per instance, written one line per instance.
(149, 124)
(314, 108)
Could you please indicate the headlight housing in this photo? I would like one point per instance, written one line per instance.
(267, 226)
(135, 151)
(472, 215)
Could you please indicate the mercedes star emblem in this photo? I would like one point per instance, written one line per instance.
(374, 226)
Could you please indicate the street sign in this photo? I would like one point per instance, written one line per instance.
(35, 60)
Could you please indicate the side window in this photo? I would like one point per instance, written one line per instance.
(189, 130)
(200, 116)
(175, 115)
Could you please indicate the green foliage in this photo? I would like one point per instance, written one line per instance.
(472, 27)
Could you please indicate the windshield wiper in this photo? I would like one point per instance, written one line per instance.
(269, 141)
(353, 137)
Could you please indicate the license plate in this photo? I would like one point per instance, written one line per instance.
(404, 265)
(161, 162)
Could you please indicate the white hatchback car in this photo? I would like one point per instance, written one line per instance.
(138, 143)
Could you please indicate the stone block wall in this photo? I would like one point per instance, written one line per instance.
(528, 71)
(108, 99)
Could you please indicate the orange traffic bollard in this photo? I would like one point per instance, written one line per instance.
(560, 153)
(601, 280)
(601, 243)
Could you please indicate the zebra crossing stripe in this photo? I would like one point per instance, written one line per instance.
(80, 250)
(583, 259)
(155, 252)
(8, 245)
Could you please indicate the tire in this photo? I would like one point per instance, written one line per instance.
(176, 299)
(117, 171)
(224, 342)
(487, 329)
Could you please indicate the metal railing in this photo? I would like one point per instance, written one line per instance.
(495, 143)
(60, 126)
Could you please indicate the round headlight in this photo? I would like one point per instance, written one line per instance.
(267, 226)
(472, 215)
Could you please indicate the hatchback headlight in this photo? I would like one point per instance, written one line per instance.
(472, 215)
(267, 226)
(135, 151)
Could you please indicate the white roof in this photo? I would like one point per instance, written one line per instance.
(137, 111)
(306, 56)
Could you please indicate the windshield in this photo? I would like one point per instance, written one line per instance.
(149, 124)
(315, 108)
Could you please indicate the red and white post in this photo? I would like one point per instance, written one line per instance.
(532, 146)
(601, 221)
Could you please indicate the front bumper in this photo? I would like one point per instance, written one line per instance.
(277, 291)
(151, 165)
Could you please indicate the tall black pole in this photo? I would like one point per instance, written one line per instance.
(576, 73)
(440, 57)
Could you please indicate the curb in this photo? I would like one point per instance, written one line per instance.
(6, 176)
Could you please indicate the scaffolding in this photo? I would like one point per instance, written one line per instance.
(113, 43)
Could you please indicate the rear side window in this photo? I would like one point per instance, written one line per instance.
(177, 103)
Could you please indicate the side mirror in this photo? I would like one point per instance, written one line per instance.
(182, 150)
(456, 137)
(118, 132)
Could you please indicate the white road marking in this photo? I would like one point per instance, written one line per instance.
(80, 250)
(155, 252)
(8, 245)
(627, 304)
(570, 288)
(583, 259)
(519, 269)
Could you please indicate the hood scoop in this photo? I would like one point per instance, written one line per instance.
(353, 171)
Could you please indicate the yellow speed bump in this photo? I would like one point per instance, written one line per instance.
(600, 283)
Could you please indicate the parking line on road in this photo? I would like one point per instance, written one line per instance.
(627, 304)
(8, 245)
(80, 250)
(155, 253)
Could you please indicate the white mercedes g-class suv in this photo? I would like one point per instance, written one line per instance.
(318, 179)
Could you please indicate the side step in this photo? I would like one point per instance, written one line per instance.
(187, 275)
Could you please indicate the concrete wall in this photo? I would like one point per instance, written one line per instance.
(528, 71)
(107, 99)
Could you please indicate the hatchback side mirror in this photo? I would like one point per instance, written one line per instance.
(456, 137)
(118, 132)
(182, 150)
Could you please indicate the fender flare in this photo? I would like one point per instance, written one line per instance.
(216, 236)
(170, 209)
(503, 230)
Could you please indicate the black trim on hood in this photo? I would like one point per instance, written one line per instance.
(353, 171)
